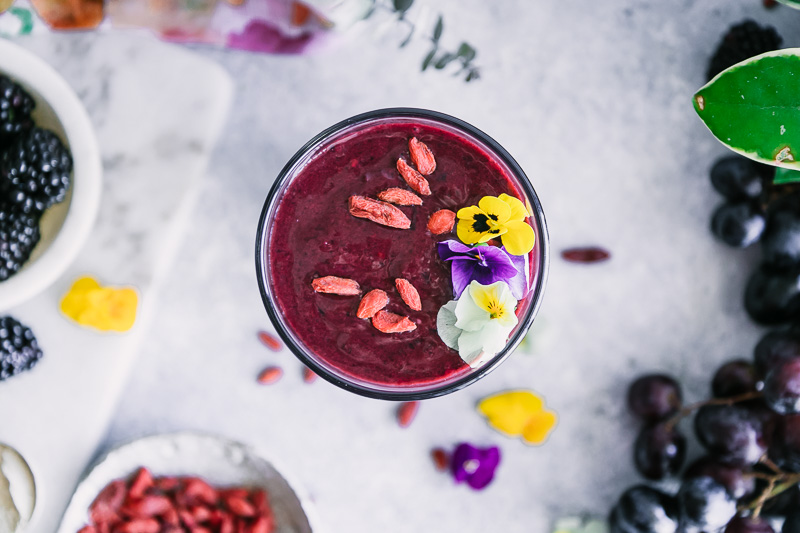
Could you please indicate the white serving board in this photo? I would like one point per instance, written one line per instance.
(157, 110)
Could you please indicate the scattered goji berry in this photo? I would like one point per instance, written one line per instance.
(441, 459)
(387, 322)
(270, 341)
(378, 212)
(270, 375)
(335, 285)
(371, 303)
(309, 376)
(421, 156)
(408, 293)
(406, 413)
(399, 196)
(441, 221)
(414, 179)
(139, 525)
(589, 254)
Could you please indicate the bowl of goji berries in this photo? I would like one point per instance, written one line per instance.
(185, 482)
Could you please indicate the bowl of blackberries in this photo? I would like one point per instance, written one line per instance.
(50, 174)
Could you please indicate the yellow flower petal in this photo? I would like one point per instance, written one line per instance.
(497, 210)
(468, 213)
(519, 238)
(519, 413)
(518, 209)
(539, 427)
(510, 412)
(102, 308)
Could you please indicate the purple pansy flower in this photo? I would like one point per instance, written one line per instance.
(486, 265)
(474, 465)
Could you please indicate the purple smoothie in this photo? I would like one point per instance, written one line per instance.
(314, 235)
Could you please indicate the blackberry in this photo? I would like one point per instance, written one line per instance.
(35, 171)
(16, 106)
(19, 350)
(743, 41)
(19, 234)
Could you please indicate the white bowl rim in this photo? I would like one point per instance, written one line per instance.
(27, 68)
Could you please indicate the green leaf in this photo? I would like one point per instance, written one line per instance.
(466, 52)
(474, 74)
(754, 107)
(438, 29)
(444, 61)
(428, 58)
(791, 3)
(785, 175)
(402, 6)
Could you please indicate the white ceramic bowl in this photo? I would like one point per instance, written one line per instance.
(65, 226)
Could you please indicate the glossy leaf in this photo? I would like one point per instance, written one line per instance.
(785, 175)
(791, 3)
(754, 108)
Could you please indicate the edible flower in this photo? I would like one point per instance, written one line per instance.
(519, 413)
(102, 308)
(503, 216)
(474, 465)
(486, 265)
(479, 322)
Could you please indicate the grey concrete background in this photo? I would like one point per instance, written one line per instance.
(593, 99)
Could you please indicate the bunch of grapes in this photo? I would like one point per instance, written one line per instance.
(756, 210)
(747, 482)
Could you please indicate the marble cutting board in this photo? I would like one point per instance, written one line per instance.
(157, 110)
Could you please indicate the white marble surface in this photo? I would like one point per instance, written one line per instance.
(156, 124)
(593, 99)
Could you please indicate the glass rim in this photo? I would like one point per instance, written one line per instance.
(543, 249)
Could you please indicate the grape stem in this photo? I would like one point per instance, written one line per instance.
(777, 483)
(689, 409)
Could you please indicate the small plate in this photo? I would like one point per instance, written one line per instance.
(219, 461)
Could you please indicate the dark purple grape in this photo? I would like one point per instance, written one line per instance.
(748, 524)
(792, 523)
(659, 452)
(654, 397)
(784, 449)
(773, 297)
(733, 433)
(737, 178)
(775, 346)
(738, 225)
(782, 387)
(733, 379)
(730, 476)
(704, 505)
(780, 244)
(642, 509)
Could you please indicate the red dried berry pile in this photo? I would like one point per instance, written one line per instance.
(144, 504)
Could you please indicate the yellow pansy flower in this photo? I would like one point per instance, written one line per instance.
(519, 413)
(102, 308)
(503, 216)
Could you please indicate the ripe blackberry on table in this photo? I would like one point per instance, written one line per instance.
(743, 41)
(19, 235)
(19, 350)
(16, 107)
(35, 171)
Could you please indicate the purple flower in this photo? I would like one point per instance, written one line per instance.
(474, 465)
(486, 265)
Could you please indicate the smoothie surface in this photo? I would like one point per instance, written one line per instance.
(314, 235)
